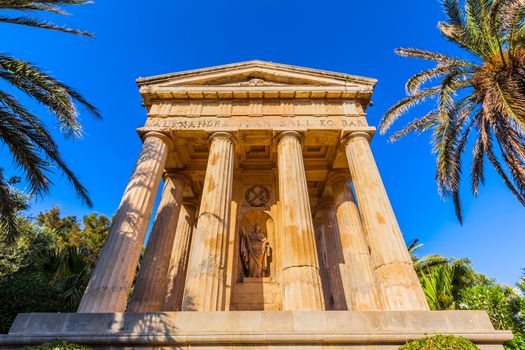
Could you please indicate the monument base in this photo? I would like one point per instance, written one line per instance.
(252, 329)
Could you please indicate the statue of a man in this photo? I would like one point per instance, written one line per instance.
(255, 252)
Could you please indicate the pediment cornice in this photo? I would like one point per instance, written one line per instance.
(255, 79)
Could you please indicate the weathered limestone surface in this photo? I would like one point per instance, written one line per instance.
(255, 329)
(150, 286)
(206, 275)
(179, 258)
(108, 287)
(256, 294)
(301, 280)
(322, 254)
(329, 232)
(394, 273)
(359, 285)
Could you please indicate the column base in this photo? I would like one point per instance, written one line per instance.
(381, 330)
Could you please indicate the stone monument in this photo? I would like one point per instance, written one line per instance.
(273, 230)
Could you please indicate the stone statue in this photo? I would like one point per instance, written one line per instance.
(255, 252)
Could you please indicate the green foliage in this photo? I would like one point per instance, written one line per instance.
(517, 343)
(87, 236)
(438, 287)
(455, 285)
(492, 299)
(48, 266)
(28, 292)
(57, 345)
(440, 342)
(443, 284)
(423, 264)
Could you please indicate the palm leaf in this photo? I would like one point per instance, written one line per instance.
(38, 23)
(404, 105)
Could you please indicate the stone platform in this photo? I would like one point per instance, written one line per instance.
(252, 329)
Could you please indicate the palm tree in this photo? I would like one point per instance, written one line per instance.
(437, 284)
(424, 264)
(481, 100)
(444, 283)
(27, 138)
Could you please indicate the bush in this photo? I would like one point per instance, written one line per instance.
(517, 343)
(57, 345)
(28, 292)
(440, 342)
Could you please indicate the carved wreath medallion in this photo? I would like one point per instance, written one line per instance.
(257, 196)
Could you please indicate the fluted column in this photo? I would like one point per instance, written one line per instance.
(300, 267)
(323, 262)
(395, 276)
(179, 258)
(206, 277)
(357, 273)
(108, 287)
(150, 286)
(333, 251)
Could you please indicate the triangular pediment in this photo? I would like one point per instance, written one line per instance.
(254, 74)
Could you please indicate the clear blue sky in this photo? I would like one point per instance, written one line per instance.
(142, 38)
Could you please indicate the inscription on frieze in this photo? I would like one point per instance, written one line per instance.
(259, 123)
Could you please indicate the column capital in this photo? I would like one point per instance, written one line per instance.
(367, 134)
(191, 202)
(174, 174)
(160, 135)
(338, 175)
(222, 135)
(295, 134)
(325, 203)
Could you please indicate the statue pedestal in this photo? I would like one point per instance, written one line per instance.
(252, 329)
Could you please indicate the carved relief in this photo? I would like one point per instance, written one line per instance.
(252, 81)
(257, 196)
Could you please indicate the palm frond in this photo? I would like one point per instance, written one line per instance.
(477, 168)
(419, 124)
(42, 139)
(38, 23)
(414, 245)
(487, 142)
(428, 55)
(50, 92)
(417, 80)
(453, 11)
(404, 105)
(8, 210)
(18, 136)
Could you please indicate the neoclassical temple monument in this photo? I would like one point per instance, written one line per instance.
(273, 229)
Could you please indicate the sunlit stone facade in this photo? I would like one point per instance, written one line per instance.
(272, 217)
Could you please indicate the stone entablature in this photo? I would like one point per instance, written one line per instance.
(257, 108)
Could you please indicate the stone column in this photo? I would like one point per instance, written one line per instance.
(206, 277)
(334, 256)
(395, 276)
(150, 286)
(109, 285)
(357, 274)
(300, 267)
(179, 258)
(323, 262)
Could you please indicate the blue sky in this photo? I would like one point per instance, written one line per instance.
(143, 38)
